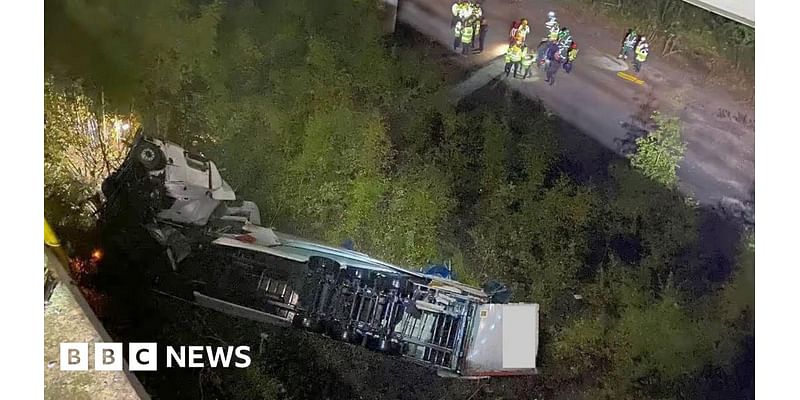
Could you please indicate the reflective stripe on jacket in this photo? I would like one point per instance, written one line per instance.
(466, 34)
(516, 53)
(528, 60)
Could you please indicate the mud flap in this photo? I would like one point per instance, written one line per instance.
(176, 244)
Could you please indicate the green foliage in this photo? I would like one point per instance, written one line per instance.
(659, 152)
(82, 145)
(738, 300)
(252, 383)
(660, 343)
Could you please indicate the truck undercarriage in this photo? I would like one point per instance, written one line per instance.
(255, 272)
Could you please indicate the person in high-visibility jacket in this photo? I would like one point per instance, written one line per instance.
(523, 30)
(454, 9)
(528, 58)
(553, 36)
(628, 43)
(572, 54)
(642, 50)
(457, 32)
(551, 26)
(467, 34)
(513, 58)
(466, 10)
(564, 36)
(477, 10)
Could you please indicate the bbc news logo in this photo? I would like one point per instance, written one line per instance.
(144, 356)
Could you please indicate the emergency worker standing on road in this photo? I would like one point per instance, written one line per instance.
(528, 57)
(543, 51)
(551, 26)
(457, 31)
(572, 54)
(564, 37)
(523, 30)
(467, 34)
(642, 50)
(513, 33)
(477, 10)
(483, 26)
(552, 67)
(466, 11)
(550, 53)
(476, 25)
(456, 10)
(513, 58)
(628, 44)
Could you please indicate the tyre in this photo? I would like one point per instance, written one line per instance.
(150, 156)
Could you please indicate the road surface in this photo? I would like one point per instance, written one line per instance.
(720, 134)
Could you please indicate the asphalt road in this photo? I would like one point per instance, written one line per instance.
(719, 164)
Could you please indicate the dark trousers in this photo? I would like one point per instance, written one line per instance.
(456, 43)
(481, 38)
(637, 65)
(552, 69)
(624, 51)
(466, 47)
(509, 66)
(527, 71)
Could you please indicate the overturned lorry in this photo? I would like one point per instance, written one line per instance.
(255, 272)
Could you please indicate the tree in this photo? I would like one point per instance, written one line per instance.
(659, 152)
(82, 145)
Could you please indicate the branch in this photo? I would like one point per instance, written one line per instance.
(103, 130)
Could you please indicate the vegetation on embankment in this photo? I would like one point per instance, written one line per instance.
(338, 132)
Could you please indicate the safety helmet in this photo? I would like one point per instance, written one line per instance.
(643, 39)
(551, 14)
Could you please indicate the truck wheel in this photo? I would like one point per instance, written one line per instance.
(150, 156)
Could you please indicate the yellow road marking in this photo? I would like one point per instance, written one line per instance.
(629, 77)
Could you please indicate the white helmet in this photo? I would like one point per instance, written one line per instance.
(551, 14)
(643, 39)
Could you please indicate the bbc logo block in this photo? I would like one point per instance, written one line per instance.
(73, 356)
(144, 356)
(108, 356)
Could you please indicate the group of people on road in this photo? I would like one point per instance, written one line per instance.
(632, 42)
(469, 26)
(556, 50)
